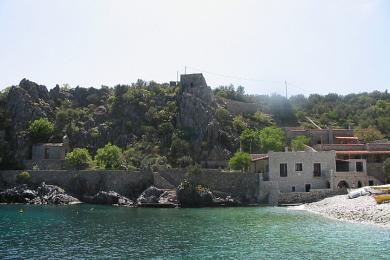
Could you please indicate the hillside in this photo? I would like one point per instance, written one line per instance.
(178, 124)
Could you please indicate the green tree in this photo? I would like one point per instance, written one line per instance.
(240, 161)
(41, 129)
(109, 157)
(299, 142)
(239, 123)
(78, 159)
(272, 139)
(250, 141)
(368, 134)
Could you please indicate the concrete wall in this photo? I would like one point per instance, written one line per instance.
(300, 178)
(129, 184)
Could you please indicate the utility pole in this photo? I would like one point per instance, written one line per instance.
(285, 82)
(185, 70)
(177, 76)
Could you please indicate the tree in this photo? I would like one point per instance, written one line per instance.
(41, 129)
(250, 141)
(240, 161)
(78, 159)
(386, 168)
(299, 142)
(272, 139)
(368, 134)
(109, 157)
(239, 123)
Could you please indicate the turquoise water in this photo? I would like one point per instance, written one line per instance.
(90, 231)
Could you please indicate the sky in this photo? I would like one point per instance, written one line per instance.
(323, 46)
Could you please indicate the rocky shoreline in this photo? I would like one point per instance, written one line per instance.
(363, 209)
(186, 195)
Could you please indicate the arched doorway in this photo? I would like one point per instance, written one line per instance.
(360, 184)
(342, 185)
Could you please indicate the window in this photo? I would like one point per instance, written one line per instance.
(307, 187)
(283, 170)
(293, 188)
(298, 167)
(359, 166)
(46, 153)
(317, 170)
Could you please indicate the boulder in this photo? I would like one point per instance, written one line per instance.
(111, 198)
(150, 195)
(190, 195)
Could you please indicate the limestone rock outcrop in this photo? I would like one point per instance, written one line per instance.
(43, 194)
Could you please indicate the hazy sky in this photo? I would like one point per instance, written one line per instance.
(317, 46)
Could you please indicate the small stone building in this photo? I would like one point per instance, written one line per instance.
(48, 156)
(322, 136)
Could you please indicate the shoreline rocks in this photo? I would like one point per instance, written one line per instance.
(363, 209)
(109, 198)
(43, 194)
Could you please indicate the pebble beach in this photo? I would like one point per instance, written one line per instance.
(363, 209)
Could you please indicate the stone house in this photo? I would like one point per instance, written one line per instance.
(48, 156)
(310, 170)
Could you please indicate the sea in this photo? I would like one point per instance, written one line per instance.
(88, 231)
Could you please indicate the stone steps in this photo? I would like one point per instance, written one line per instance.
(162, 183)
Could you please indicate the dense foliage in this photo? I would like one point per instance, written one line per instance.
(109, 157)
(299, 142)
(78, 159)
(240, 161)
(40, 130)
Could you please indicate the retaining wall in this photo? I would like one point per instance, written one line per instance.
(307, 197)
(129, 184)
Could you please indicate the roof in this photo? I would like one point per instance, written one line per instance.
(362, 152)
(260, 158)
(257, 155)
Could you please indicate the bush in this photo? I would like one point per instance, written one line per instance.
(184, 161)
(78, 159)
(299, 142)
(23, 177)
(109, 157)
(240, 161)
(40, 130)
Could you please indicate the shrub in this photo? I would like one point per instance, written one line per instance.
(299, 142)
(184, 161)
(23, 177)
(40, 130)
(240, 161)
(78, 159)
(109, 157)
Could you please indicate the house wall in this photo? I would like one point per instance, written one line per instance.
(299, 179)
(54, 152)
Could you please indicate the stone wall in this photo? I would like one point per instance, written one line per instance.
(307, 197)
(47, 164)
(237, 107)
(129, 184)
(243, 185)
